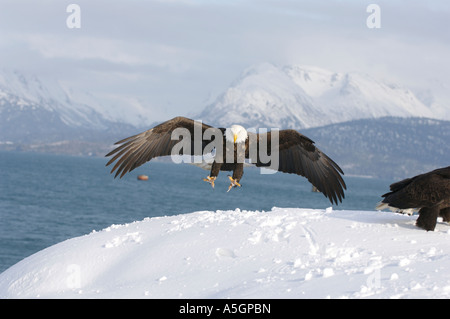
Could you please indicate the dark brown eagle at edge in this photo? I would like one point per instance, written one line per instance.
(297, 155)
(429, 193)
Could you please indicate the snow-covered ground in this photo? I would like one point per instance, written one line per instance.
(282, 253)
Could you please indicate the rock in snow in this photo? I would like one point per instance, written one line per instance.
(283, 253)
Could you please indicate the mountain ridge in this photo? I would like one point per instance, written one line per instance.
(300, 97)
(41, 117)
(388, 147)
(36, 113)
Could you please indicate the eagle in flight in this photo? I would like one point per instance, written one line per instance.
(286, 151)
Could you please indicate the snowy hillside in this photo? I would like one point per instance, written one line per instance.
(302, 97)
(264, 96)
(283, 253)
(29, 93)
(39, 111)
(75, 108)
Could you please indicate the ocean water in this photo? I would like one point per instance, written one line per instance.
(45, 199)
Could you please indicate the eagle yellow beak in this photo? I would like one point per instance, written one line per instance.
(235, 138)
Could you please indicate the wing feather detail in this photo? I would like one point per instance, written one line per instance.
(298, 155)
(138, 149)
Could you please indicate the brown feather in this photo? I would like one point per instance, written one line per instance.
(141, 148)
(298, 155)
(429, 193)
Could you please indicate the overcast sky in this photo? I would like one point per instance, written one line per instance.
(172, 56)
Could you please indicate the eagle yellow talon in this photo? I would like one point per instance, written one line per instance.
(234, 183)
(210, 180)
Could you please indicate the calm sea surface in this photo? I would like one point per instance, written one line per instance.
(45, 199)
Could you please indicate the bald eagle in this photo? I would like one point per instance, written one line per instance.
(291, 152)
(429, 193)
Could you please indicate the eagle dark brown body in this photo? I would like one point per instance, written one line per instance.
(296, 153)
(429, 193)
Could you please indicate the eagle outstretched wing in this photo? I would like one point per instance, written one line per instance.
(155, 142)
(298, 155)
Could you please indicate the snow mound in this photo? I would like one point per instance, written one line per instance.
(283, 253)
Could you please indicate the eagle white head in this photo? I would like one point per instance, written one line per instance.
(236, 134)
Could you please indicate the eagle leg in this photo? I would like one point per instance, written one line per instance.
(234, 183)
(445, 214)
(427, 218)
(210, 180)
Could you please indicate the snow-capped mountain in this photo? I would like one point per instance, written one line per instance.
(303, 97)
(75, 108)
(264, 96)
(30, 94)
(33, 110)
